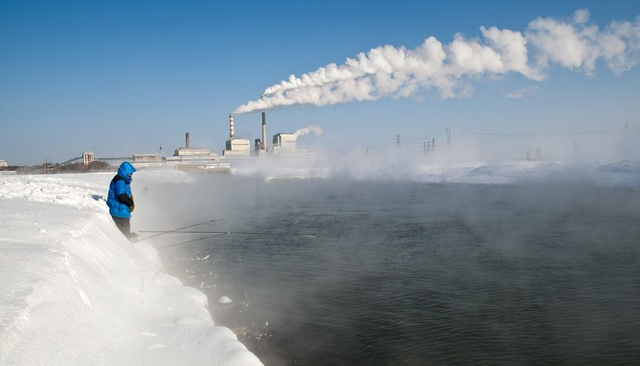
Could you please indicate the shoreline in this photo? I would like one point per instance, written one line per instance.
(77, 292)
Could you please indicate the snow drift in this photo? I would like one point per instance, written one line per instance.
(76, 292)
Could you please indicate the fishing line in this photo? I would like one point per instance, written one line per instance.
(223, 232)
(191, 240)
(182, 230)
(160, 233)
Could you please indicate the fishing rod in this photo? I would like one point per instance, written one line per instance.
(160, 233)
(220, 232)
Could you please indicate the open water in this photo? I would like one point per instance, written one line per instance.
(391, 273)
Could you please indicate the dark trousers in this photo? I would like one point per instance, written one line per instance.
(123, 224)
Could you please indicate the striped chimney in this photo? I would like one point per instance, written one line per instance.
(231, 132)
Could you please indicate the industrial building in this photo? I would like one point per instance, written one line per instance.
(195, 159)
(236, 147)
(284, 142)
(201, 159)
(192, 153)
(87, 157)
(148, 158)
(284, 145)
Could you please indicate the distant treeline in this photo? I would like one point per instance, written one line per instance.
(47, 168)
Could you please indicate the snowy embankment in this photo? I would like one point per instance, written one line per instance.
(76, 292)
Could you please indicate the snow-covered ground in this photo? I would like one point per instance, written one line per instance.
(74, 291)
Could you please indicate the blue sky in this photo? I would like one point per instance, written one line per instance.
(125, 77)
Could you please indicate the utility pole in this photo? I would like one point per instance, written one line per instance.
(577, 147)
(398, 140)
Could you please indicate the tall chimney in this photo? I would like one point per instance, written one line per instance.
(186, 136)
(264, 131)
(264, 128)
(231, 133)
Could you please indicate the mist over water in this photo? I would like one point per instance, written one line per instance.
(348, 272)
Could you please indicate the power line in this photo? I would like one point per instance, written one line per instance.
(538, 134)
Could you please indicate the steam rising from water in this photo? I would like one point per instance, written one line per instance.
(397, 72)
(460, 270)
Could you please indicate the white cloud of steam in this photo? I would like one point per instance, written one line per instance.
(307, 130)
(397, 72)
(521, 93)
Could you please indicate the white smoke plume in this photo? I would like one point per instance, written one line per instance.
(397, 72)
(520, 93)
(307, 130)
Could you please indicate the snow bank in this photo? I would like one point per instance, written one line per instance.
(76, 292)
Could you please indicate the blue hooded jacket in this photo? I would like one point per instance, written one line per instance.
(119, 199)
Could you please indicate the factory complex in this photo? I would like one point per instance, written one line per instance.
(237, 152)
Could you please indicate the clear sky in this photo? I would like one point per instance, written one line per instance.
(123, 77)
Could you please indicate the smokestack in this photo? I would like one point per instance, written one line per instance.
(231, 133)
(264, 131)
(264, 128)
(186, 136)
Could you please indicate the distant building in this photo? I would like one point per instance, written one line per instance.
(147, 158)
(284, 147)
(3, 163)
(192, 153)
(237, 147)
(195, 159)
(189, 153)
(284, 142)
(87, 157)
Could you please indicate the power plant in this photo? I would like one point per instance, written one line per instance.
(283, 143)
(238, 151)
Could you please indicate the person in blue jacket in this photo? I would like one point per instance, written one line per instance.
(120, 199)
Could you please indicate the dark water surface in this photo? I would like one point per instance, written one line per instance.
(353, 273)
